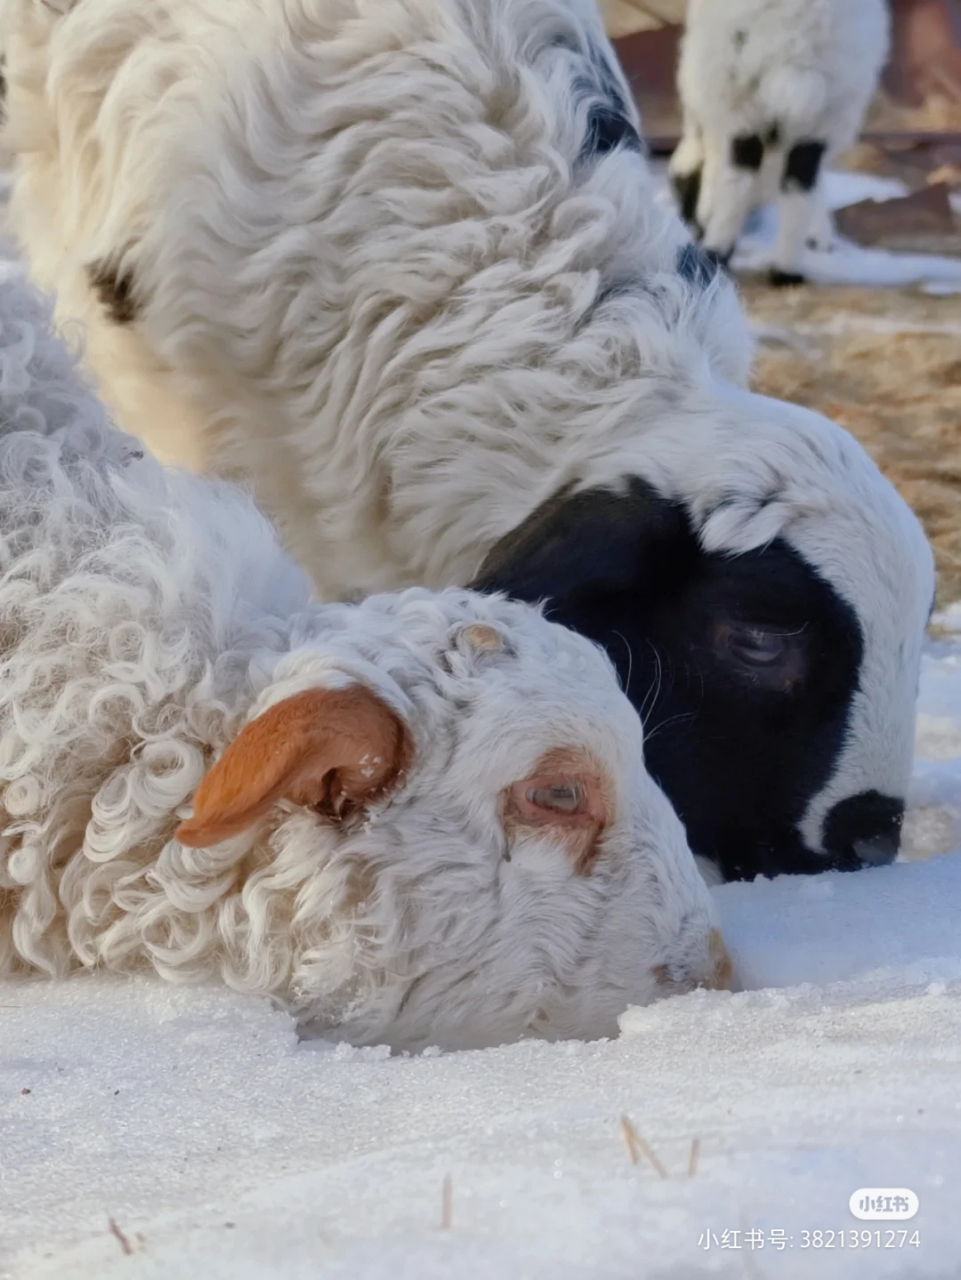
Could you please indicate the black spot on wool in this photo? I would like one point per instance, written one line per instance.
(607, 129)
(687, 192)
(697, 266)
(115, 291)
(608, 122)
(747, 151)
(802, 166)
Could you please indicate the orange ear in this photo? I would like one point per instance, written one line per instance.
(331, 749)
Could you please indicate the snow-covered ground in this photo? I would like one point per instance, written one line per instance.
(158, 1133)
(219, 1146)
(844, 262)
(848, 263)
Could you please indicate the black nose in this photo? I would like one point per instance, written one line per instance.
(865, 830)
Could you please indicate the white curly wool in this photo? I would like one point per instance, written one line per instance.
(149, 616)
(772, 91)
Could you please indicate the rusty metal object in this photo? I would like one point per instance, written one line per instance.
(926, 212)
(926, 51)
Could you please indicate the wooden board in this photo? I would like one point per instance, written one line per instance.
(627, 17)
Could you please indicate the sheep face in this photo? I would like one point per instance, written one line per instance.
(766, 613)
(473, 850)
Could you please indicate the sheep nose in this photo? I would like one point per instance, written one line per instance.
(878, 851)
(865, 829)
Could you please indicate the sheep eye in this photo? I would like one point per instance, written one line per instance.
(773, 657)
(562, 798)
(758, 648)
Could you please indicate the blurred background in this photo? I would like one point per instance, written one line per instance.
(885, 362)
(922, 84)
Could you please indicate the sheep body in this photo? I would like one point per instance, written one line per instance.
(455, 262)
(772, 91)
(148, 616)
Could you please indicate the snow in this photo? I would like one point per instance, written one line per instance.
(779, 931)
(222, 1147)
(152, 1132)
(845, 262)
(175, 1113)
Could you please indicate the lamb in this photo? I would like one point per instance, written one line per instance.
(423, 819)
(771, 90)
(402, 267)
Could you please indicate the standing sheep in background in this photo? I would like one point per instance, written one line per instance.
(424, 819)
(401, 266)
(771, 90)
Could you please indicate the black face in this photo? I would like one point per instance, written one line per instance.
(743, 669)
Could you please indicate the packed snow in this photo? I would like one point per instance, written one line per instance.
(845, 262)
(152, 1132)
(155, 1132)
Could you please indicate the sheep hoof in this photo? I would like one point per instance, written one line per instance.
(779, 279)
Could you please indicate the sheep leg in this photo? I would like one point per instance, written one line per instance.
(686, 171)
(798, 207)
(821, 232)
(729, 193)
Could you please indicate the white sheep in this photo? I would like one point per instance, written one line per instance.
(422, 819)
(772, 91)
(401, 265)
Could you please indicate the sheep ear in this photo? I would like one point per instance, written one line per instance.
(478, 637)
(477, 645)
(580, 545)
(334, 750)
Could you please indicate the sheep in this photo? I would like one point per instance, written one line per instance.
(422, 819)
(403, 268)
(771, 91)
